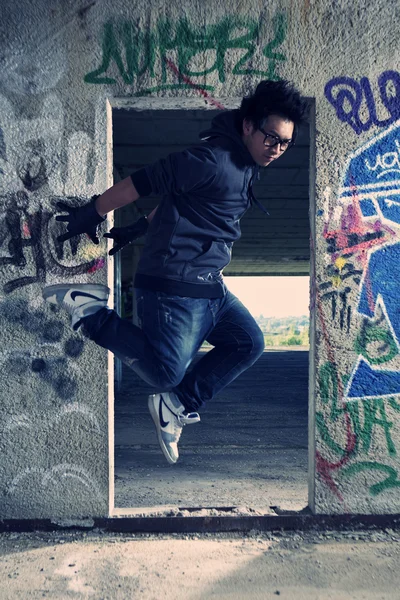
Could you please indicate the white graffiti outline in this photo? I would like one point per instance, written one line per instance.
(62, 470)
(24, 420)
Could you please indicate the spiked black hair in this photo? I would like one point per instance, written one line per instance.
(273, 98)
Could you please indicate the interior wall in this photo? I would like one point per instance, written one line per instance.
(60, 63)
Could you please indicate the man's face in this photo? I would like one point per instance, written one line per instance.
(273, 127)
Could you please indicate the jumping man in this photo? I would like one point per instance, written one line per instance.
(180, 292)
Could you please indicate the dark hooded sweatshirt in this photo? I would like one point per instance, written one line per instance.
(206, 189)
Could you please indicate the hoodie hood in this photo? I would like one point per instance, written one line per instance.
(223, 126)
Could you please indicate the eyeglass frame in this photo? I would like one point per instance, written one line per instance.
(277, 139)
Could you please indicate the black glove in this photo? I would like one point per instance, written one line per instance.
(80, 219)
(123, 236)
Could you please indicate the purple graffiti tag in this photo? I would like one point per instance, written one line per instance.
(389, 89)
(349, 98)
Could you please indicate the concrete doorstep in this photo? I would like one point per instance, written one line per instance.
(207, 523)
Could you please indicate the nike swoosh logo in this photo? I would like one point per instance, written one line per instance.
(76, 294)
(162, 422)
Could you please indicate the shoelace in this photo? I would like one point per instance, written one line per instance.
(188, 418)
(181, 421)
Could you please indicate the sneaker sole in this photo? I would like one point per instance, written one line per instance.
(154, 416)
(51, 290)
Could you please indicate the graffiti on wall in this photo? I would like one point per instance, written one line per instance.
(29, 249)
(41, 164)
(57, 371)
(22, 232)
(363, 252)
(51, 481)
(374, 171)
(357, 105)
(130, 52)
(37, 155)
(364, 422)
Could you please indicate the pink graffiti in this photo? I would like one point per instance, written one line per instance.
(370, 296)
(98, 264)
(196, 86)
(352, 223)
(25, 230)
(324, 467)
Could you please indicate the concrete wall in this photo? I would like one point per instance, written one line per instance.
(61, 64)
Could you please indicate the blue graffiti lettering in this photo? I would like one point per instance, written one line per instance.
(349, 98)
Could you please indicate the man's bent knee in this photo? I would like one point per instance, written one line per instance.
(168, 379)
(252, 346)
(258, 344)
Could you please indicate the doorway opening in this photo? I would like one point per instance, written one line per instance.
(249, 453)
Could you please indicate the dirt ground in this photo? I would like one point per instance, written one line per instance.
(297, 566)
(249, 450)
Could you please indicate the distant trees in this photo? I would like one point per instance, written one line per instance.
(293, 341)
(285, 331)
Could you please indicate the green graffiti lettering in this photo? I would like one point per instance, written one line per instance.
(134, 52)
(167, 40)
(353, 410)
(243, 42)
(134, 43)
(374, 333)
(394, 404)
(110, 51)
(326, 437)
(379, 405)
(329, 393)
(375, 489)
(173, 86)
(139, 45)
(365, 416)
(364, 434)
(279, 28)
(328, 383)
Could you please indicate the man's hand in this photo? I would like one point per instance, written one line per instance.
(80, 219)
(123, 236)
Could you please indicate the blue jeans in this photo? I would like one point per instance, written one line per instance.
(172, 329)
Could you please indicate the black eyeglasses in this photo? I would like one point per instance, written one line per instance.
(273, 140)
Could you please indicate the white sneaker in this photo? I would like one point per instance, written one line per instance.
(80, 299)
(169, 416)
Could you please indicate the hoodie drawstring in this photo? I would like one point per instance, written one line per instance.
(256, 175)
